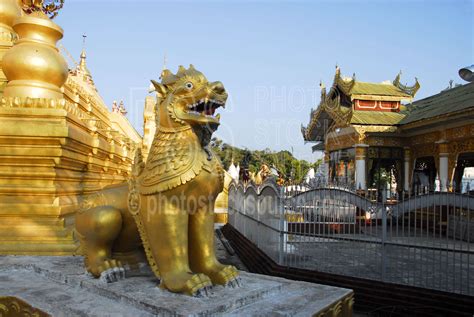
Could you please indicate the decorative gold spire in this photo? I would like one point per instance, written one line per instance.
(83, 56)
(82, 69)
(42, 8)
(82, 63)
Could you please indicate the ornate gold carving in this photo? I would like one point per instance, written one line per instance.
(170, 197)
(430, 137)
(424, 150)
(360, 152)
(134, 206)
(342, 142)
(443, 148)
(407, 153)
(384, 141)
(462, 146)
(348, 305)
(455, 148)
(172, 161)
(364, 129)
(341, 308)
(15, 307)
(27, 102)
(466, 131)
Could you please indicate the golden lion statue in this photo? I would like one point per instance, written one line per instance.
(167, 208)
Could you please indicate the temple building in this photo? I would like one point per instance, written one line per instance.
(375, 137)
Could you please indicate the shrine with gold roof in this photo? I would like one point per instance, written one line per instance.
(375, 137)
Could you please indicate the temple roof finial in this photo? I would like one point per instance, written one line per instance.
(82, 67)
(82, 63)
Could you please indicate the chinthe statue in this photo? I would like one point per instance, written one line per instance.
(167, 207)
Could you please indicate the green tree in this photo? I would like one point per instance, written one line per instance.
(285, 163)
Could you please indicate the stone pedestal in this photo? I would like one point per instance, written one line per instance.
(59, 286)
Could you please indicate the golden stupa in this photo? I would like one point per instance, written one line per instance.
(58, 139)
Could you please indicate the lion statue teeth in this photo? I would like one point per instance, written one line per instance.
(167, 207)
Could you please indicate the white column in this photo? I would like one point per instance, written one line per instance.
(327, 159)
(360, 158)
(406, 169)
(443, 171)
(443, 166)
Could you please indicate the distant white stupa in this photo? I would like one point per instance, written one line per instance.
(234, 171)
(311, 174)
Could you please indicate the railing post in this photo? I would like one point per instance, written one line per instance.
(258, 200)
(384, 239)
(244, 212)
(281, 210)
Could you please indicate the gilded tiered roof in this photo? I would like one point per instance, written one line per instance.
(376, 118)
(336, 109)
(352, 87)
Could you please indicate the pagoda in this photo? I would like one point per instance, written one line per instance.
(58, 139)
(374, 136)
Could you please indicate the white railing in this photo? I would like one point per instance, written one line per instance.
(421, 240)
(257, 213)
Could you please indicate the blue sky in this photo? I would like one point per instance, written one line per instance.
(270, 55)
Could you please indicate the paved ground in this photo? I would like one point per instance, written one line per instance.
(451, 269)
(59, 286)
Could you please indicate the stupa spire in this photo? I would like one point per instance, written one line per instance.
(82, 63)
(82, 67)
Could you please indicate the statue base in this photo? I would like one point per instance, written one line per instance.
(58, 286)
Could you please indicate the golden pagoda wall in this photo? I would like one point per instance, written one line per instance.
(52, 151)
(48, 158)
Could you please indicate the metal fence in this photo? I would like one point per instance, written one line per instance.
(424, 240)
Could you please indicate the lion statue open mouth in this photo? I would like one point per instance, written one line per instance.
(167, 208)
